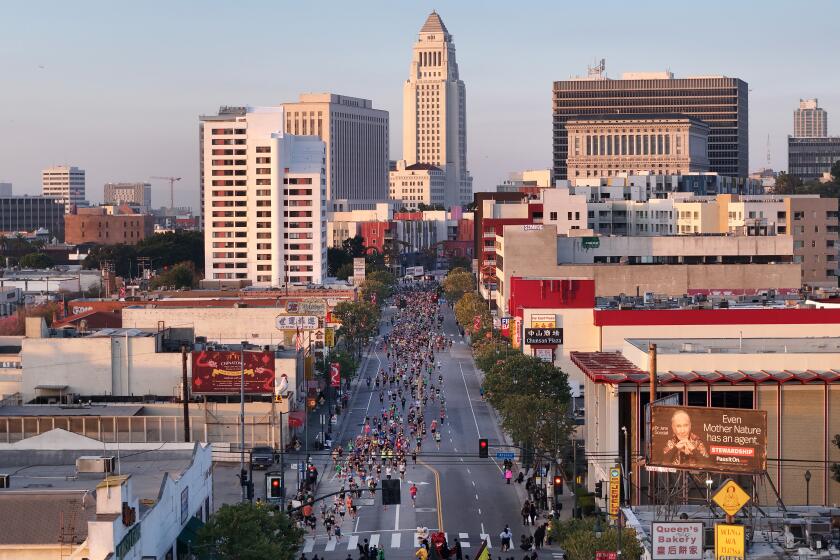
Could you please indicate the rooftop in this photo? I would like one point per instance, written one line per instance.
(817, 345)
(434, 24)
(35, 410)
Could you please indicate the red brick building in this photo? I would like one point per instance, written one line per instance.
(95, 225)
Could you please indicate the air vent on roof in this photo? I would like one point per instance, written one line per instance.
(93, 464)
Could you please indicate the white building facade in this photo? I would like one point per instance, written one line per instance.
(421, 183)
(64, 183)
(435, 110)
(356, 138)
(264, 201)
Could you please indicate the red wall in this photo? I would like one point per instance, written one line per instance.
(374, 234)
(550, 293)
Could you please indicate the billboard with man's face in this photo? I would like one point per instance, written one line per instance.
(728, 440)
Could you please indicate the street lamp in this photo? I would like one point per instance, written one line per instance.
(709, 483)
(808, 488)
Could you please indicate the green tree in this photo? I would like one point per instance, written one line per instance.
(244, 531)
(787, 184)
(456, 284)
(354, 246)
(171, 248)
(359, 321)
(488, 353)
(347, 364)
(383, 277)
(344, 271)
(35, 260)
(337, 259)
(533, 399)
(371, 287)
(182, 275)
(468, 307)
(835, 171)
(122, 256)
(577, 537)
(459, 262)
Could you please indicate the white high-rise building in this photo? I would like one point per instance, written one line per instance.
(264, 200)
(356, 136)
(435, 111)
(64, 183)
(810, 120)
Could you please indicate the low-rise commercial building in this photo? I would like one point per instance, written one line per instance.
(151, 511)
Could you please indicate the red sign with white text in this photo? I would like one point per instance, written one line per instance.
(335, 374)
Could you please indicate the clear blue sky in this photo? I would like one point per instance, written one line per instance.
(117, 87)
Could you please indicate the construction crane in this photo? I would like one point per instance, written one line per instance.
(171, 188)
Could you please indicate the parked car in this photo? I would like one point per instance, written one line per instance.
(262, 457)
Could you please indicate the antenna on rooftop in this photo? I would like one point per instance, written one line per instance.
(597, 71)
(768, 151)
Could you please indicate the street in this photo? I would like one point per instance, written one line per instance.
(458, 493)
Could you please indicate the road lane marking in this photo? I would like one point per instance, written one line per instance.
(309, 544)
(476, 496)
(374, 540)
(395, 540)
(473, 483)
(397, 519)
(469, 400)
(353, 542)
(479, 513)
(331, 544)
(437, 493)
(482, 526)
(485, 537)
(463, 538)
(356, 528)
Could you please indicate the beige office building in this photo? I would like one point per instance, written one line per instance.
(65, 183)
(810, 120)
(435, 111)
(606, 145)
(356, 136)
(421, 183)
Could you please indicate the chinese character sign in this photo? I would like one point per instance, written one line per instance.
(677, 541)
(306, 322)
(221, 372)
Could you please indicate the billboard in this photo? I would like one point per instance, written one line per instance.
(677, 541)
(543, 321)
(218, 372)
(728, 440)
(544, 336)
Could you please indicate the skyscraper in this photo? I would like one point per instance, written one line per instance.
(435, 111)
(810, 120)
(64, 183)
(356, 136)
(720, 102)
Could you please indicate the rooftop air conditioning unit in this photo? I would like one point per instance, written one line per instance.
(93, 464)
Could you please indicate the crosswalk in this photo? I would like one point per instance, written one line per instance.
(391, 539)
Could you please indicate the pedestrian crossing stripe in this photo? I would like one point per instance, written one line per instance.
(396, 541)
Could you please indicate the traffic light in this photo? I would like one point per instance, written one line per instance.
(599, 489)
(275, 487)
(558, 485)
(390, 492)
(483, 448)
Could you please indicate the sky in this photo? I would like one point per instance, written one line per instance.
(116, 88)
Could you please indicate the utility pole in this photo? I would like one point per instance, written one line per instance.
(242, 472)
(185, 393)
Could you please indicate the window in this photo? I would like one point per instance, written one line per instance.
(552, 216)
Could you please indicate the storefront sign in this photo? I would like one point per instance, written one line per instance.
(532, 227)
(293, 322)
(544, 336)
(677, 541)
(544, 354)
(615, 490)
(220, 373)
(590, 242)
(543, 321)
(329, 337)
(729, 542)
(728, 440)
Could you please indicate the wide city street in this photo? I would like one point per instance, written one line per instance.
(457, 493)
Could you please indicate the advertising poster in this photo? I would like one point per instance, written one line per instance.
(218, 373)
(543, 321)
(677, 541)
(335, 374)
(516, 339)
(727, 440)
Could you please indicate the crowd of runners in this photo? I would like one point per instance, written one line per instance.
(412, 408)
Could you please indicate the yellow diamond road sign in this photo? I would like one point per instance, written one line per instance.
(730, 497)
